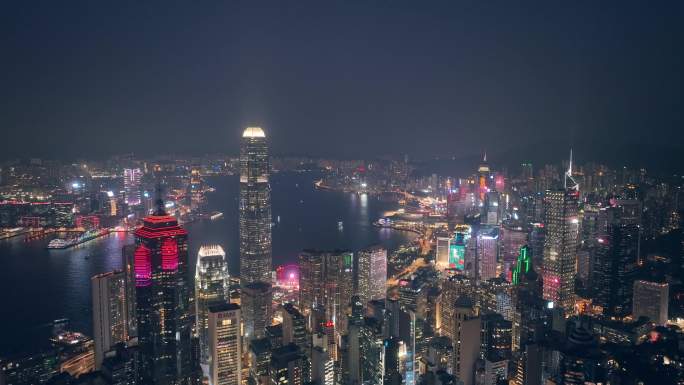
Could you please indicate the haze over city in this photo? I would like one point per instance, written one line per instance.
(349, 80)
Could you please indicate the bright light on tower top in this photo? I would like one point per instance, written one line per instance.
(253, 132)
(211, 250)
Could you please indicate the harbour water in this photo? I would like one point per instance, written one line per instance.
(39, 285)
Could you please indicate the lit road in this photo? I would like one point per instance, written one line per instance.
(415, 265)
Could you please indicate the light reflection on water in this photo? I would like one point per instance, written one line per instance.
(40, 285)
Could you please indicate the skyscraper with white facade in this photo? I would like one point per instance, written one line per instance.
(211, 289)
(372, 274)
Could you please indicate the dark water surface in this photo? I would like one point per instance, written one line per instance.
(39, 285)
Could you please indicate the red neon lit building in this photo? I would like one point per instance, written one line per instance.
(162, 291)
(88, 222)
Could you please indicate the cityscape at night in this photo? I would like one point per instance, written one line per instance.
(342, 193)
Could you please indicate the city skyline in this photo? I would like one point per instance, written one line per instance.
(373, 193)
(459, 299)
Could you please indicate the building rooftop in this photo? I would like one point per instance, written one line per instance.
(253, 132)
(211, 250)
(260, 346)
(282, 355)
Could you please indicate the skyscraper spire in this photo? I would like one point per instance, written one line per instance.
(159, 201)
(568, 175)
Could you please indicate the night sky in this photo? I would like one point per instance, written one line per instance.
(353, 78)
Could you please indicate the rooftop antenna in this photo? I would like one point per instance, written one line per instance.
(568, 175)
(159, 202)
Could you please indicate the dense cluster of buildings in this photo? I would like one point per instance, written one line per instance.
(539, 278)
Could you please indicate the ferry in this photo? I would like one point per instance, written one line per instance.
(215, 215)
(60, 243)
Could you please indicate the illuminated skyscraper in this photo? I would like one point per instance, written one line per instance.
(287, 366)
(255, 232)
(356, 322)
(372, 274)
(294, 327)
(487, 251)
(255, 208)
(372, 352)
(392, 375)
(326, 283)
(513, 237)
(162, 291)
(560, 245)
(132, 178)
(452, 289)
(457, 251)
(616, 260)
(211, 288)
(528, 306)
(128, 262)
(523, 265)
(483, 177)
(256, 309)
(109, 313)
(195, 189)
(225, 344)
(491, 214)
(442, 251)
(651, 299)
(465, 339)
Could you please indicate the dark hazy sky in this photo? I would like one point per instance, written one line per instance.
(343, 78)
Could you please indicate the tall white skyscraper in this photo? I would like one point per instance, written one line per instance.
(212, 287)
(225, 344)
(109, 312)
(561, 222)
(255, 208)
(372, 274)
(255, 231)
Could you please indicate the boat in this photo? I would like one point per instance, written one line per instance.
(58, 243)
(215, 215)
(61, 243)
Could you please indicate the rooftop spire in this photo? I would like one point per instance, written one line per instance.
(159, 201)
(568, 175)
